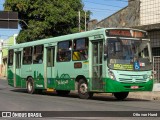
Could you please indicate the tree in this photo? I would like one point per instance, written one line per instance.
(46, 18)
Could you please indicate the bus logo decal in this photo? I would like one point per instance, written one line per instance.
(63, 79)
(37, 85)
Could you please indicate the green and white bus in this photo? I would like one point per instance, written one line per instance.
(106, 60)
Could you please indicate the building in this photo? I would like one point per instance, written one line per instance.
(4, 54)
(141, 14)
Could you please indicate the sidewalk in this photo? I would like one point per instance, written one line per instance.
(153, 95)
(2, 78)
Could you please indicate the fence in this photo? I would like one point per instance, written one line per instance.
(156, 67)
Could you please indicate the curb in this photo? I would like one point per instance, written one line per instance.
(153, 95)
(3, 78)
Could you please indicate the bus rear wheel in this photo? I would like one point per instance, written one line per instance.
(121, 95)
(63, 92)
(83, 90)
(30, 86)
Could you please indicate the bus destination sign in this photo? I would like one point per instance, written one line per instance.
(122, 33)
(138, 34)
(125, 33)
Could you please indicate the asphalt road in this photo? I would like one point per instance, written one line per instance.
(13, 99)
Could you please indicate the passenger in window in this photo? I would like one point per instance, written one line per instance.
(84, 54)
(68, 55)
(60, 59)
(40, 61)
(39, 57)
(25, 61)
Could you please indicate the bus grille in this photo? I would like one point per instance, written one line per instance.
(132, 78)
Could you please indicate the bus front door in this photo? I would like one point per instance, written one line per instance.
(97, 48)
(18, 69)
(50, 66)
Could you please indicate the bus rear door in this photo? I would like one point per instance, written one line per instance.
(10, 68)
(18, 68)
(50, 66)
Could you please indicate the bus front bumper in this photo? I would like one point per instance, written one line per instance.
(115, 86)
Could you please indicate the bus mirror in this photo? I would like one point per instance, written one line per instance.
(105, 56)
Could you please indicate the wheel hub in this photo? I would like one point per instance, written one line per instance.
(83, 88)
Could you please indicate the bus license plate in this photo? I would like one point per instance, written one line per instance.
(134, 87)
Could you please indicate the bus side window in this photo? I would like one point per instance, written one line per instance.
(27, 55)
(64, 51)
(80, 51)
(38, 54)
(10, 58)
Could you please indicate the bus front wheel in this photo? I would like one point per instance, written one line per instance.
(30, 86)
(121, 95)
(83, 90)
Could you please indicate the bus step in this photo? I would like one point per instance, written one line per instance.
(50, 90)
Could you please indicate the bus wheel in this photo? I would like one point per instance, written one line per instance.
(63, 92)
(83, 90)
(121, 95)
(30, 86)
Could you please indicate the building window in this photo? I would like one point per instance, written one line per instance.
(64, 51)
(80, 51)
(38, 54)
(27, 55)
(10, 57)
(155, 43)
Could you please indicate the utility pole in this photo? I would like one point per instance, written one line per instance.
(79, 23)
(85, 20)
(15, 36)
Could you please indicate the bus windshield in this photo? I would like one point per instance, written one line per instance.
(123, 54)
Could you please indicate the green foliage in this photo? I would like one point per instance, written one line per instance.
(46, 18)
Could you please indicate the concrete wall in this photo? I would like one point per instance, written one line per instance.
(92, 24)
(3, 66)
(149, 12)
(126, 17)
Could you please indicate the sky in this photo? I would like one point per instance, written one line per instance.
(103, 8)
(100, 9)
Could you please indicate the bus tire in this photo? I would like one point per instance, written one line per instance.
(62, 92)
(121, 95)
(83, 90)
(30, 86)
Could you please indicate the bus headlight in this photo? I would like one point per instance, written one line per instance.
(111, 75)
(151, 77)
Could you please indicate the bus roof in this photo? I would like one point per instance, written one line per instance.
(66, 37)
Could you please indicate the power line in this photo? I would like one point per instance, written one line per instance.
(102, 4)
(123, 0)
(118, 0)
(2, 29)
(100, 9)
